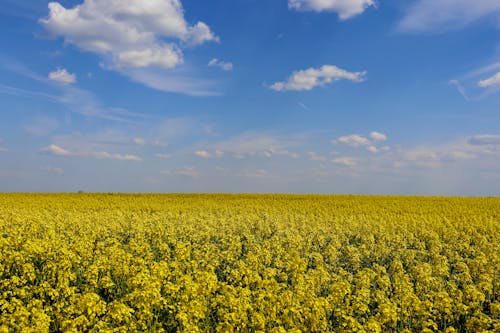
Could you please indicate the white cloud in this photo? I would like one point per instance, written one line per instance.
(356, 140)
(62, 76)
(377, 136)
(312, 77)
(491, 81)
(353, 140)
(208, 154)
(344, 8)
(227, 66)
(443, 15)
(131, 34)
(201, 33)
(165, 56)
(103, 155)
(477, 147)
(55, 150)
(346, 161)
(185, 171)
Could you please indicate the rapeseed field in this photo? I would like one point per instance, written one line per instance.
(248, 263)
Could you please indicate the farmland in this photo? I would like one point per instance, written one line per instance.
(248, 263)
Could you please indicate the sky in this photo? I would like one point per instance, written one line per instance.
(282, 96)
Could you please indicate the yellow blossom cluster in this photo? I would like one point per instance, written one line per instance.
(248, 263)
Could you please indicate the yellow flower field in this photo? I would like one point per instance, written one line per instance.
(248, 263)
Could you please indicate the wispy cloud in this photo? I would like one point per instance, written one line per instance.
(172, 82)
(494, 80)
(303, 106)
(75, 99)
(56, 150)
(101, 155)
(479, 83)
(437, 16)
(317, 77)
(261, 144)
(460, 89)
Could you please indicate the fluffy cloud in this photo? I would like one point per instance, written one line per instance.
(227, 66)
(353, 140)
(344, 8)
(313, 77)
(377, 136)
(356, 140)
(491, 81)
(164, 56)
(130, 33)
(62, 76)
(444, 15)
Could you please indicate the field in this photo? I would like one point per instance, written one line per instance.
(248, 263)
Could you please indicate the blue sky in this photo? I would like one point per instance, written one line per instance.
(302, 96)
